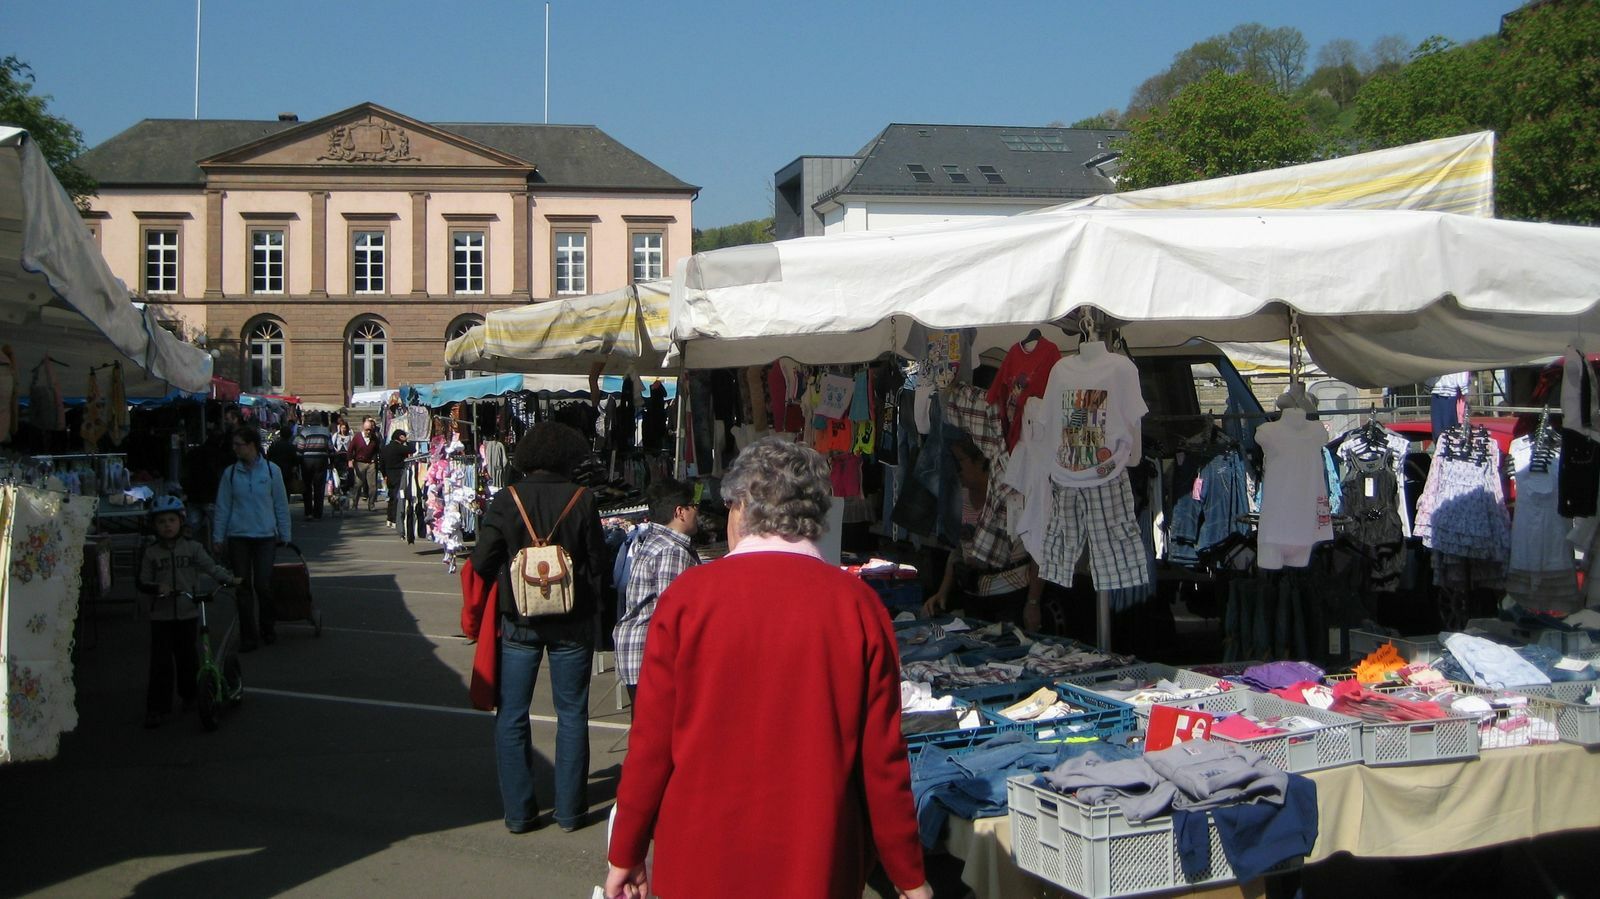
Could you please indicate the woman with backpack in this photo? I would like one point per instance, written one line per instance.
(546, 506)
(252, 520)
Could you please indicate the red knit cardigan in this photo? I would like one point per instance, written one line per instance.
(480, 621)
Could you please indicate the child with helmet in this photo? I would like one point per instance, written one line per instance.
(169, 577)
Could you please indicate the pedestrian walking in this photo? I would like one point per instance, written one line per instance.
(659, 552)
(547, 502)
(707, 732)
(314, 444)
(281, 452)
(251, 521)
(340, 460)
(364, 449)
(393, 460)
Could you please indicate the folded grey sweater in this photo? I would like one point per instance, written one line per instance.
(1189, 776)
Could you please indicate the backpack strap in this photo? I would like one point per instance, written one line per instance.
(533, 534)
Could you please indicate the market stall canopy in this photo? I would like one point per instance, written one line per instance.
(460, 390)
(1385, 297)
(1452, 174)
(621, 330)
(59, 298)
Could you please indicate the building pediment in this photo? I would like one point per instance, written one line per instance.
(365, 137)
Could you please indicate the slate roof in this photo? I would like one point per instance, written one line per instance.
(1031, 162)
(164, 152)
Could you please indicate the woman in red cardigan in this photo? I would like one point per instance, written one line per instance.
(765, 757)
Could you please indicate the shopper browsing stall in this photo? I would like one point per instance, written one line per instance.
(169, 575)
(392, 459)
(707, 733)
(251, 520)
(988, 576)
(314, 444)
(661, 553)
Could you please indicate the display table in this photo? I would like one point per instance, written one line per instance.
(1505, 796)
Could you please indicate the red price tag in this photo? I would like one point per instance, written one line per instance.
(1170, 726)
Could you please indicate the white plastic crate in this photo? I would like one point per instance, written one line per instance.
(1577, 721)
(1337, 742)
(1450, 739)
(1538, 706)
(1423, 649)
(1096, 852)
(1094, 681)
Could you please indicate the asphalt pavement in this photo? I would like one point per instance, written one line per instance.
(355, 765)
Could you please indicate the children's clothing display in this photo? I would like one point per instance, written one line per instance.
(1294, 491)
(1541, 571)
(42, 546)
(1462, 515)
(1090, 412)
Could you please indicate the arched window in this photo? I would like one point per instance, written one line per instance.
(460, 326)
(369, 356)
(264, 351)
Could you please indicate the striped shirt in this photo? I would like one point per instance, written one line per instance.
(659, 556)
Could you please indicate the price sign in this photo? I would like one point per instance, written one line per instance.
(1170, 726)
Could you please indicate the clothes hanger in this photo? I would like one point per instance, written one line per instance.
(1032, 340)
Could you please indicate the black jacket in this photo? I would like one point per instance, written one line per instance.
(392, 458)
(501, 534)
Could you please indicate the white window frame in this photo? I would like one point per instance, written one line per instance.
(570, 261)
(462, 255)
(266, 348)
(167, 268)
(369, 346)
(365, 260)
(262, 262)
(654, 259)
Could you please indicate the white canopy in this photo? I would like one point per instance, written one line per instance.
(621, 330)
(1452, 174)
(1385, 297)
(59, 298)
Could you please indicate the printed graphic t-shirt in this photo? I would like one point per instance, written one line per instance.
(1023, 374)
(1094, 403)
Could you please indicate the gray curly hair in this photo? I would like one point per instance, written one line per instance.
(783, 489)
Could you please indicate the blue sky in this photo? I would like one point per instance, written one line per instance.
(720, 93)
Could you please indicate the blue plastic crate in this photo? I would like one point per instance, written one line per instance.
(1101, 716)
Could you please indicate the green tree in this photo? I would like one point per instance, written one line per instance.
(1547, 164)
(57, 138)
(1446, 89)
(1272, 56)
(1109, 120)
(1222, 125)
(735, 235)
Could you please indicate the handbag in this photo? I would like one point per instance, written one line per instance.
(541, 573)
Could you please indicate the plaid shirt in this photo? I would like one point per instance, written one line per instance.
(659, 556)
(991, 546)
(968, 408)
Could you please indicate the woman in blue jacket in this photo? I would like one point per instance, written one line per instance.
(252, 520)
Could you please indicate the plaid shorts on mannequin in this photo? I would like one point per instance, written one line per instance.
(1101, 516)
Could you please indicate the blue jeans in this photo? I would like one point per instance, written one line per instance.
(571, 652)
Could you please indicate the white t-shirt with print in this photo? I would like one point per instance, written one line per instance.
(1091, 410)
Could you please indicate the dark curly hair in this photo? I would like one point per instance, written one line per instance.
(550, 446)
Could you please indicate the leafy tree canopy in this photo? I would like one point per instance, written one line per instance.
(735, 235)
(1225, 124)
(57, 139)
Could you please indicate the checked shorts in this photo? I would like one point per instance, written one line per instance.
(1103, 517)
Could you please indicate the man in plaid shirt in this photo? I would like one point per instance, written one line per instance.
(990, 573)
(661, 553)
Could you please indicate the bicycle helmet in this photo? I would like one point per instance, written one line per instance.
(171, 504)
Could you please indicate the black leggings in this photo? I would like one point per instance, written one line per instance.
(251, 558)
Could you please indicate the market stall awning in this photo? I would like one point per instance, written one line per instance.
(1385, 297)
(59, 298)
(620, 331)
(1452, 174)
(443, 393)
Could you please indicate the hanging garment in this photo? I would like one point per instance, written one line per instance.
(1294, 492)
(1541, 572)
(1023, 374)
(94, 414)
(1369, 500)
(44, 399)
(117, 423)
(42, 545)
(1462, 515)
(10, 384)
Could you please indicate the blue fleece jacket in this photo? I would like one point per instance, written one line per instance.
(251, 503)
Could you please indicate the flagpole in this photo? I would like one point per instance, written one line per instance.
(197, 59)
(546, 63)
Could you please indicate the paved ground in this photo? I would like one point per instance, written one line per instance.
(354, 766)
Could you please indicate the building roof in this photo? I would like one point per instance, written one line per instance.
(996, 161)
(166, 152)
